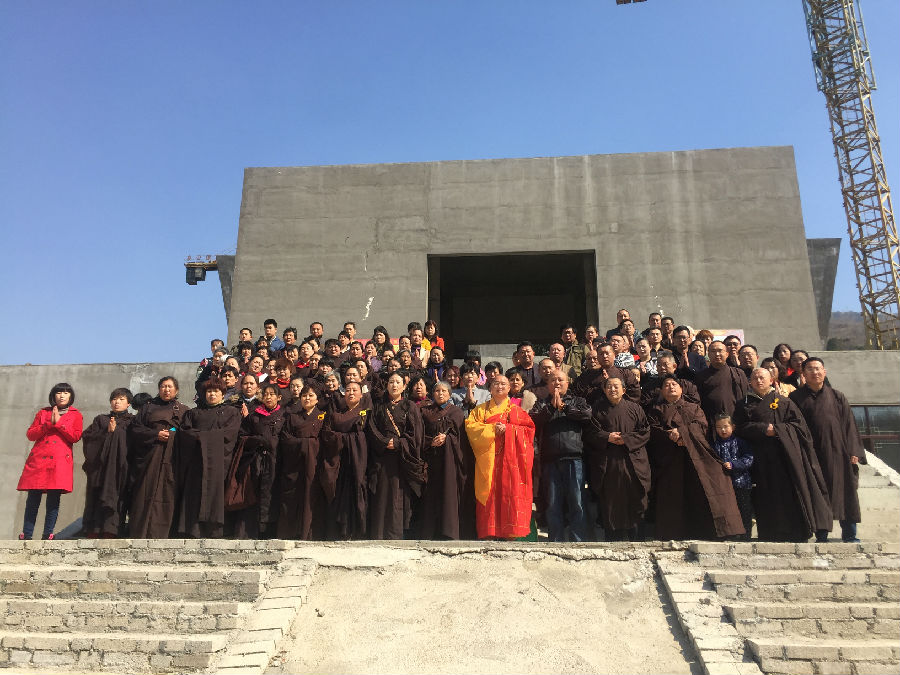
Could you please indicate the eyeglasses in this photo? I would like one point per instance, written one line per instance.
(732, 344)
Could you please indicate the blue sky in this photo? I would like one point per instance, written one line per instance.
(125, 127)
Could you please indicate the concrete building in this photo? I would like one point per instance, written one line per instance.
(499, 250)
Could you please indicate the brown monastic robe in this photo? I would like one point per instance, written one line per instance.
(307, 476)
(345, 437)
(258, 443)
(720, 390)
(446, 505)
(694, 496)
(790, 497)
(589, 385)
(395, 475)
(650, 394)
(106, 466)
(151, 469)
(203, 451)
(836, 439)
(619, 474)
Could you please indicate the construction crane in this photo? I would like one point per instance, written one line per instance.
(840, 54)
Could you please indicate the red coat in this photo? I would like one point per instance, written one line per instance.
(49, 466)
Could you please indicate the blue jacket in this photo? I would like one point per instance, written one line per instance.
(740, 454)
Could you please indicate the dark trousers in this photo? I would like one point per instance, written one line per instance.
(848, 532)
(745, 506)
(33, 503)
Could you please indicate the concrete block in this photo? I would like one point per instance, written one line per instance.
(721, 668)
(774, 547)
(42, 658)
(812, 651)
(833, 668)
(258, 660)
(46, 642)
(161, 661)
(13, 641)
(193, 661)
(780, 611)
(866, 651)
(271, 618)
(260, 646)
(781, 667)
(19, 656)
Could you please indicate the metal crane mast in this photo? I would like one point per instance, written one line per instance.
(840, 53)
(844, 74)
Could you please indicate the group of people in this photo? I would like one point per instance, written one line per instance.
(664, 433)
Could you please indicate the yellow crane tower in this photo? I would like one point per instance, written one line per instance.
(840, 54)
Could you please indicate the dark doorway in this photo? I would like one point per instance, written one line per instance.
(502, 299)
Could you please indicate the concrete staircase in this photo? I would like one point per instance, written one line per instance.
(810, 608)
(147, 606)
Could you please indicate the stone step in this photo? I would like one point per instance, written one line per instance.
(234, 553)
(135, 582)
(806, 585)
(833, 549)
(58, 616)
(109, 651)
(874, 480)
(808, 656)
(827, 619)
(798, 561)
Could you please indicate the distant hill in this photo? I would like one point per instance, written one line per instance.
(846, 331)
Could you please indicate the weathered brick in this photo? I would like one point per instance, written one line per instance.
(48, 643)
(193, 661)
(774, 547)
(779, 667)
(97, 587)
(866, 652)
(827, 611)
(813, 651)
(833, 667)
(227, 622)
(19, 656)
(161, 661)
(780, 611)
(870, 668)
(13, 641)
(42, 658)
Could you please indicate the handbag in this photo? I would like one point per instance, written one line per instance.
(240, 488)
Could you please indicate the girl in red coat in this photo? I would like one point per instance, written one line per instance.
(48, 468)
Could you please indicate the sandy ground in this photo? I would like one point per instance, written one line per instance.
(487, 613)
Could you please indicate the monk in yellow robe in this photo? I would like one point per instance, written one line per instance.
(502, 437)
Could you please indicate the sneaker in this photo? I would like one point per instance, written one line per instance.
(21, 536)
(47, 537)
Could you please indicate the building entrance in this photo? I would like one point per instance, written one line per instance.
(505, 298)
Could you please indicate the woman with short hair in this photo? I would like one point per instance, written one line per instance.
(49, 468)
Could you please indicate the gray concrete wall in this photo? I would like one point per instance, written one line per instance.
(866, 377)
(225, 264)
(24, 390)
(687, 232)
(823, 261)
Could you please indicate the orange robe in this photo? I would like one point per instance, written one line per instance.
(503, 491)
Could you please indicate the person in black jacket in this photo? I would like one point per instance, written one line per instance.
(560, 418)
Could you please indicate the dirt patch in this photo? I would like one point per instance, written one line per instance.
(488, 612)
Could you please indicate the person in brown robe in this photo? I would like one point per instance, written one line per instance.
(306, 475)
(619, 470)
(258, 447)
(838, 446)
(396, 471)
(790, 497)
(598, 368)
(345, 437)
(448, 498)
(666, 366)
(106, 467)
(151, 474)
(721, 386)
(694, 495)
(203, 451)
